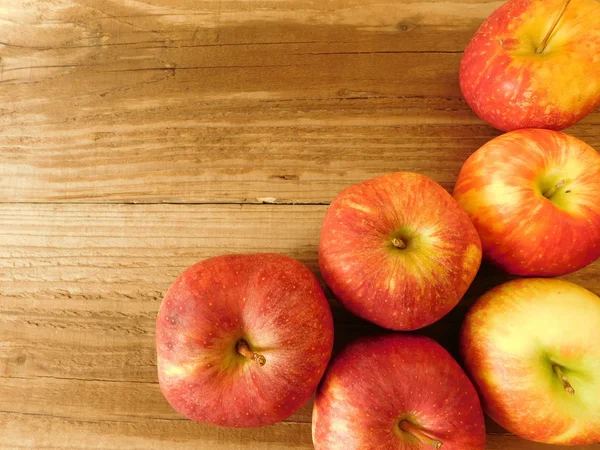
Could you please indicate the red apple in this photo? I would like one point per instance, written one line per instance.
(532, 347)
(396, 392)
(534, 197)
(398, 250)
(243, 340)
(534, 64)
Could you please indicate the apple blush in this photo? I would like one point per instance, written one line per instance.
(534, 64)
(532, 348)
(534, 197)
(398, 250)
(243, 340)
(396, 392)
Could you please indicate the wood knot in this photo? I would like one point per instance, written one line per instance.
(287, 177)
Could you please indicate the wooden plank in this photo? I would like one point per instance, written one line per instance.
(181, 434)
(80, 288)
(237, 101)
(154, 434)
(32, 431)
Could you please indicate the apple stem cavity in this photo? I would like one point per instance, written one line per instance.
(408, 427)
(243, 349)
(399, 243)
(550, 192)
(563, 378)
(546, 39)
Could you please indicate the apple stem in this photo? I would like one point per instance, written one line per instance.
(563, 378)
(243, 349)
(544, 43)
(550, 192)
(398, 243)
(405, 425)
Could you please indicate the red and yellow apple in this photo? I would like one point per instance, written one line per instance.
(396, 392)
(534, 64)
(534, 197)
(532, 348)
(243, 340)
(398, 251)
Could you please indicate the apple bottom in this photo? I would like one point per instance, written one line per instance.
(253, 391)
(396, 392)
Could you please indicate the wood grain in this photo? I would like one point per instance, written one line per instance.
(140, 136)
(232, 101)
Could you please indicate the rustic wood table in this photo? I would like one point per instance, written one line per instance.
(140, 136)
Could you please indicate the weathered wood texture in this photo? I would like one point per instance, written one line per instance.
(232, 101)
(189, 105)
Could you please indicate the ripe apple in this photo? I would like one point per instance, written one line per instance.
(396, 392)
(532, 347)
(398, 250)
(534, 64)
(534, 197)
(243, 340)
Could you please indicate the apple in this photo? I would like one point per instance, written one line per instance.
(534, 197)
(532, 348)
(243, 340)
(534, 64)
(398, 251)
(396, 392)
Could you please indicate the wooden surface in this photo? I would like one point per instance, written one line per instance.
(139, 136)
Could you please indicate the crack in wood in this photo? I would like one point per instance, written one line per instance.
(93, 380)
